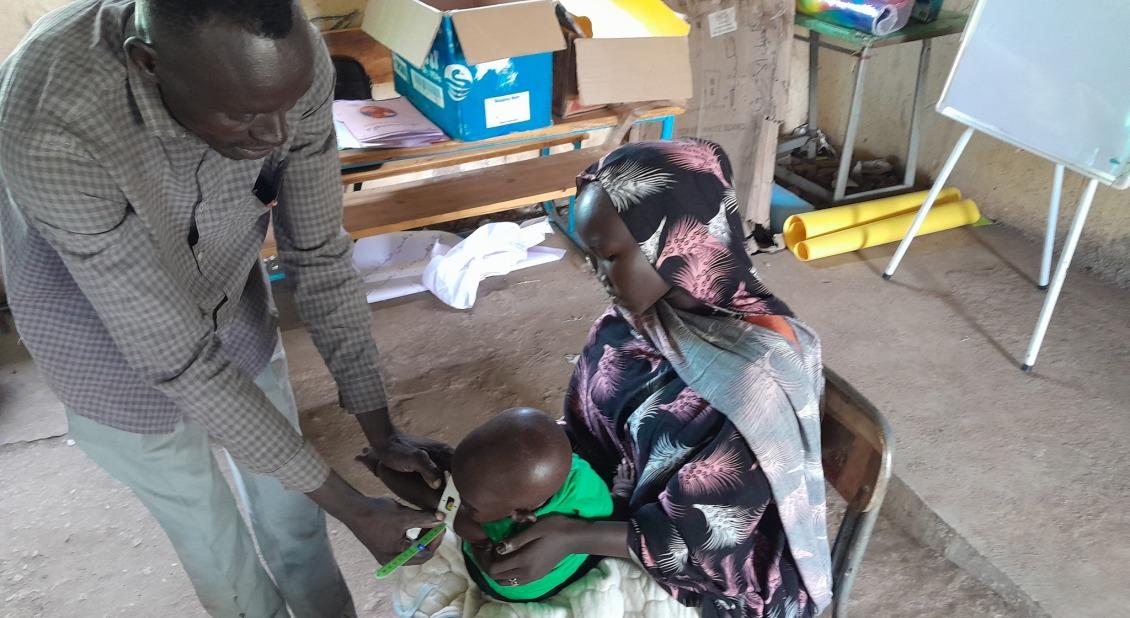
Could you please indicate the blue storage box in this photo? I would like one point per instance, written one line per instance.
(477, 72)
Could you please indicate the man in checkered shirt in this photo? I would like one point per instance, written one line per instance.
(144, 148)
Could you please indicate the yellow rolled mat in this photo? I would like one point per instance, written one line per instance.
(820, 222)
(941, 217)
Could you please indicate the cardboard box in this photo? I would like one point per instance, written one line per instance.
(566, 98)
(638, 51)
(476, 68)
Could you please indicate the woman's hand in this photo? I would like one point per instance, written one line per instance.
(532, 553)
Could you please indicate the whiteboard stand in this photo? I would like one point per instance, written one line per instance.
(1056, 282)
(943, 177)
(1049, 78)
(1060, 274)
(1049, 237)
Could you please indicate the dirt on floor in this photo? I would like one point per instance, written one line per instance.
(77, 544)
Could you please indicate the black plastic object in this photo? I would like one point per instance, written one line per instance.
(353, 83)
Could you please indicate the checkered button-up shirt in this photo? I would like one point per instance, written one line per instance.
(130, 248)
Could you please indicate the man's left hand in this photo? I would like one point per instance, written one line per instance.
(403, 453)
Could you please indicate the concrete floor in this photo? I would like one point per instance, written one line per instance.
(75, 543)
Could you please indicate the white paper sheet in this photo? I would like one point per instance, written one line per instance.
(402, 263)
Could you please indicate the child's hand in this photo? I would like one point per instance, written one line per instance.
(625, 480)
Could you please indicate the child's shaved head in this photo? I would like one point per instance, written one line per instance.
(511, 465)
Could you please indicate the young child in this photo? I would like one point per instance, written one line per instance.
(510, 471)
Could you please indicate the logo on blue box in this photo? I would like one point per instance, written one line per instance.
(477, 101)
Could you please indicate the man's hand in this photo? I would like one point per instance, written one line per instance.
(408, 486)
(533, 552)
(381, 526)
(379, 523)
(425, 457)
(403, 453)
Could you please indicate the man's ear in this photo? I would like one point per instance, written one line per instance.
(142, 55)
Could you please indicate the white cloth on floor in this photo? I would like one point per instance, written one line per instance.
(441, 588)
(454, 274)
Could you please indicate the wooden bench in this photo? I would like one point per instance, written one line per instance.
(422, 164)
(458, 196)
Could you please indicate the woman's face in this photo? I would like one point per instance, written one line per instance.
(621, 267)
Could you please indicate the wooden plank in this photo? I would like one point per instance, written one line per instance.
(757, 207)
(600, 119)
(354, 43)
(457, 196)
(397, 168)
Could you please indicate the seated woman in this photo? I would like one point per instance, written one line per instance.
(700, 385)
(706, 384)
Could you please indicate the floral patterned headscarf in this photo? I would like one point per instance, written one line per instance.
(678, 200)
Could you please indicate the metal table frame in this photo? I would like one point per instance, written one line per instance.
(862, 45)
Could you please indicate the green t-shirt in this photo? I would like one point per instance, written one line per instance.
(584, 495)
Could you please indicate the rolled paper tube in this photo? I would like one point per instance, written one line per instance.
(877, 17)
(941, 217)
(811, 224)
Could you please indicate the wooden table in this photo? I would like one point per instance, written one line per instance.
(859, 44)
(474, 193)
(354, 162)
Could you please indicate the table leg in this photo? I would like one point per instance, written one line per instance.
(549, 207)
(915, 117)
(813, 79)
(1060, 275)
(852, 126)
(943, 176)
(668, 128)
(1049, 236)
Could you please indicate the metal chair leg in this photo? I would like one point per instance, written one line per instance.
(850, 559)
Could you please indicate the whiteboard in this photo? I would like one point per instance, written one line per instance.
(1051, 77)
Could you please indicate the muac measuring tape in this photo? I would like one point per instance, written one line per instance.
(449, 505)
(403, 557)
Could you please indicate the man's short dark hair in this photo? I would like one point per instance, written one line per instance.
(269, 18)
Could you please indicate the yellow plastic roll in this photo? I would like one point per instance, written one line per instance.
(941, 217)
(820, 222)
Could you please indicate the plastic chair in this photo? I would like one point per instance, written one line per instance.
(857, 446)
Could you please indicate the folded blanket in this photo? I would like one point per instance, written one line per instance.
(441, 588)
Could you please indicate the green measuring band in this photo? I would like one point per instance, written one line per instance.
(418, 546)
